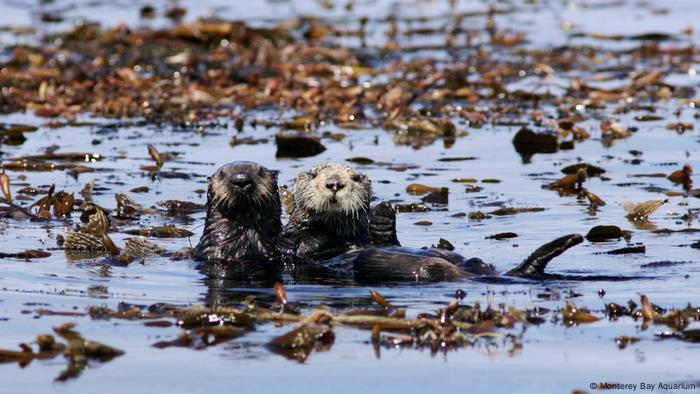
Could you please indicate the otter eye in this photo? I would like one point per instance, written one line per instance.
(357, 178)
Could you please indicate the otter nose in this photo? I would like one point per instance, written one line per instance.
(242, 180)
(334, 186)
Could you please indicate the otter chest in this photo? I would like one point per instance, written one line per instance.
(252, 241)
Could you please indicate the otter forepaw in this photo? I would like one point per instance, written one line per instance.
(382, 225)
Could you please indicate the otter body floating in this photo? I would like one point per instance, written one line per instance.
(332, 233)
(333, 229)
(401, 264)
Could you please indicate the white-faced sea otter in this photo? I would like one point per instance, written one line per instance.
(332, 223)
(331, 212)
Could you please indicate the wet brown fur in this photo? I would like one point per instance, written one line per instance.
(243, 214)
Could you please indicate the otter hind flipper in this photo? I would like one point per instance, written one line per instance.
(533, 266)
(395, 265)
(382, 225)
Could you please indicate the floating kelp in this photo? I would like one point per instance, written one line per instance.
(437, 197)
(413, 207)
(628, 250)
(92, 237)
(624, 341)
(176, 207)
(419, 131)
(593, 199)
(5, 187)
(642, 210)
(573, 315)
(77, 351)
(26, 255)
(606, 232)
(570, 182)
(472, 189)
(591, 170)
(444, 244)
(155, 155)
(416, 189)
(168, 231)
(202, 337)
(664, 264)
(127, 207)
(298, 343)
(478, 215)
(140, 247)
(452, 327)
(503, 211)
(501, 236)
(682, 175)
(298, 145)
(528, 142)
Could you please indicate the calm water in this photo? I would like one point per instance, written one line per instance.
(553, 358)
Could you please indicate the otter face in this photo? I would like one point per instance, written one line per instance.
(333, 189)
(241, 185)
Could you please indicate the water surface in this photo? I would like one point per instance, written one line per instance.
(552, 359)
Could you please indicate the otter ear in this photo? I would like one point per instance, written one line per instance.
(360, 177)
(274, 173)
(312, 173)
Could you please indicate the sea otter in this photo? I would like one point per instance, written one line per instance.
(331, 222)
(330, 214)
(243, 214)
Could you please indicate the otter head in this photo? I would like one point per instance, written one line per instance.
(333, 190)
(241, 186)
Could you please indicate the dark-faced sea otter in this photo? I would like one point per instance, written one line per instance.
(243, 214)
